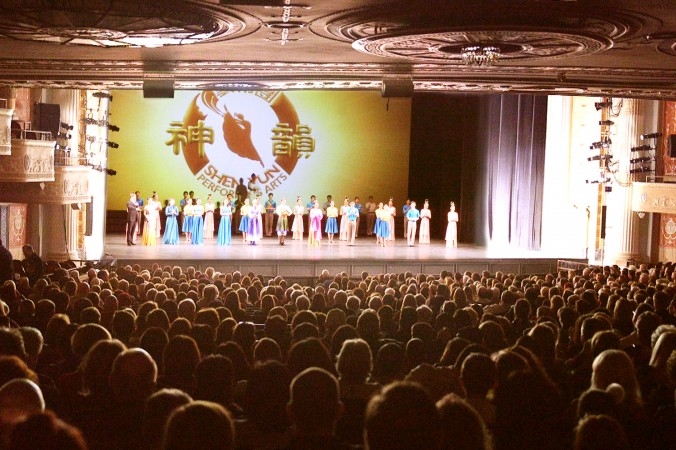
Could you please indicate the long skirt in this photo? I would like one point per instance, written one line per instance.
(225, 230)
(197, 236)
(331, 226)
(255, 231)
(170, 231)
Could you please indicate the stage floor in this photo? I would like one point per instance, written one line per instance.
(296, 259)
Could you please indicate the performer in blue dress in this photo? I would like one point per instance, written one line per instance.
(225, 227)
(197, 235)
(171, 227)
(331, 221)
(244, 220)
(187, 219)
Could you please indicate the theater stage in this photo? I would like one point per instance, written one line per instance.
(296, 260)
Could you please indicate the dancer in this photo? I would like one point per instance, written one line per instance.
(393, 212)
(331, 221)
(404, 209)
(371, 216)
(225, 226)
(314, 236)
(244, 220)
(283, 211)
(197, 235)
(270, 208)
(254, 188)
(452, 228)
(157, 206)
(209, 208)
(412, 216)
(187, 219)
(352, 222)
(255, 229)
(171, 227)
(181, 215)
(376, 223)
(343, 220)
(425, 216)
(383, 230)
(149, 237)
(297, 226)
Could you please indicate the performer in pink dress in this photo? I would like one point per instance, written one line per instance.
(452, 228)
(425, 216)
(393, 212)
(209, 208)
(255, 231)
(315, 225)
(343, 220)
(297, 226)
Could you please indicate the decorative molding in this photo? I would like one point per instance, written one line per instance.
(70, 185)
(30, 161)
(5, 131)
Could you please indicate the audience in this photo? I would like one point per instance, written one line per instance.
(167, 357)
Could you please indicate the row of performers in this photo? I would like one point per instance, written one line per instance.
(198, 223)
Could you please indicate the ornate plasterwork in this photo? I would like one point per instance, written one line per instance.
(5, 131)
(121, 23)
(31, 160)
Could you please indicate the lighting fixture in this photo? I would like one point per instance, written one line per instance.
(605, 143)
(600, 105)
(599, 157)
(641, 170)
(606, 123)
(641, 148)
(480, 55)
(113, 127)
(66, 126)
(100, 94)
(641, 160)
(113, 144)
(654, 135)
(63, 136)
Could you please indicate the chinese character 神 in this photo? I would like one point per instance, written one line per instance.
(181, 136)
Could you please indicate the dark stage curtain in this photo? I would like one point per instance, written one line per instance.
(513, 133)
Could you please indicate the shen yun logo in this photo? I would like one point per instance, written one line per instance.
(226, 135)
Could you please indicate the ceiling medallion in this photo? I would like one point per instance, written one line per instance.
(119, 23)
(465, 47)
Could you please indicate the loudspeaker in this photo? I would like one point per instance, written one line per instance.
(47, 117)
(89, 218)
(603, 222)
(397, 87)
(671, 145)
(158, 88)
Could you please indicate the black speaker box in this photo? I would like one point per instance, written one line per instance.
(47, 117)
(158, 89)
(671, 143)
(396, 87)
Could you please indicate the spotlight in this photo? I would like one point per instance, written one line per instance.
(641, 170)
(113, 128)
(605, 143)
(91, 139)
(654, 135)
(607, 180)
(91, 121)
(111, 172)
(606, 123)
(113, 144)
(642, 159)
(100, 94)
(641, 148)
(599, 157)
(600, 105)
(63, 136)
(66, 126)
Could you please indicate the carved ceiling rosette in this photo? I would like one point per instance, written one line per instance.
(121, 23)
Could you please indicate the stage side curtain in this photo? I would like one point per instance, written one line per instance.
(514, 148)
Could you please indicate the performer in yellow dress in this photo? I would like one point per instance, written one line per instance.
(149, 232)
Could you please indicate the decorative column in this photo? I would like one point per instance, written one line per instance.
(623, 248)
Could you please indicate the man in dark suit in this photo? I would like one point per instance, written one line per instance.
(132, 217)
(6, 264)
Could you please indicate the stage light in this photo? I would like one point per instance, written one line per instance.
(113, 144)
(63, 136)
(641, 160)
(113, 128)
(607, 180)
(601, 144)
(100, 94)
(606, 123)
(641, 148)
(111, 172)
(654, 135)
(66, 126)
(641, 170)
(600, 157)
(600, 105)
(91, 139)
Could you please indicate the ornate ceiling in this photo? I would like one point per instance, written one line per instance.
(585, 47)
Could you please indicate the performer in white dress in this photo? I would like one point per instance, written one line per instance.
(297, 226)
(452, 228)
